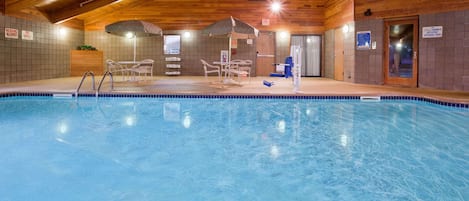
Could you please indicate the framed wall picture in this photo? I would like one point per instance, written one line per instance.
(363, 40)
(224, 56)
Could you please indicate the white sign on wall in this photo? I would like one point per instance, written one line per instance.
(27, 35)
(432, 32)
(11, 33)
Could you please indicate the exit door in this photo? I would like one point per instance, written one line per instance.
(401, 40)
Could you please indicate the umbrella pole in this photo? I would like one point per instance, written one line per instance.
(229, 50)
(135, 47)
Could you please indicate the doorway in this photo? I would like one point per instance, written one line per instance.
(265, 47)
(400, 56)
(311, 54)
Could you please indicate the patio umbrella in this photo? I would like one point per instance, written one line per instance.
(233, 28)
(136, 28)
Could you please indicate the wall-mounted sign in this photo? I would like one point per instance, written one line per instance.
(432, 32)
(11, 33)
(224, 57)
(27, 35)
(363, 40)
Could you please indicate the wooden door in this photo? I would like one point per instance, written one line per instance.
(400, 58)
(265, 47)
(338, 55)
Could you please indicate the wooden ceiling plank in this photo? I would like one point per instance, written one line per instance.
(18, 5)
(74, 9)
(2, 6)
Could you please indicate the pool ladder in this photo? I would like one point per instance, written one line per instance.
(90, 73)
(111, 81)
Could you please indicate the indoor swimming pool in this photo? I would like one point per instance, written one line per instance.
(121, 148)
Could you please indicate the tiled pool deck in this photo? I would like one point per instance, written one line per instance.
(197, 85)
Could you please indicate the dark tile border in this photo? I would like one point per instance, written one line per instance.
(424, 99)
(237, 96)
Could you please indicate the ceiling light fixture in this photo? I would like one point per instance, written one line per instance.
(276, 7)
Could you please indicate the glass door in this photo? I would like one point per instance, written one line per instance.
(401, 40)
(311, 54)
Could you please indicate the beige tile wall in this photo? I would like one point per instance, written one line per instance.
(46, 56)
(369, 63)
(329, 54)
(198, 46)
(444, 62)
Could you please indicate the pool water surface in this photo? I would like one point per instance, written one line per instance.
(231, 149)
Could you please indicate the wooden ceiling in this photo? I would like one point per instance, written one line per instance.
(296, 16)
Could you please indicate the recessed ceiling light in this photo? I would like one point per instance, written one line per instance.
(276, 7)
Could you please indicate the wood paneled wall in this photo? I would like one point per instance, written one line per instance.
(338, 12)
(401, 8)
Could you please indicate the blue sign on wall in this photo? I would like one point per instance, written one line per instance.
(363, 40)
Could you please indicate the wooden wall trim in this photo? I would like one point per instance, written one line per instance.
(401, 8)
(338, 13)
(74, 23)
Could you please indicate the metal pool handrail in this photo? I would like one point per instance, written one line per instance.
(101, 82)
(86, 74)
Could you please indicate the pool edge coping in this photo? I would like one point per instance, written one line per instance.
(245, 96)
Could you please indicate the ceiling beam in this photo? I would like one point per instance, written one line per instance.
(18, 5)
(72, 10)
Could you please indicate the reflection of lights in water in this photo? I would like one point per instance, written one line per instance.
(308, 112)
(187, 121)
(130, 120)
(281, 126)
(343, 140)
(62, 128)
(274, 151)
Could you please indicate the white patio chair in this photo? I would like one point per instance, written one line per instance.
(209, 68)
(117, 69)
(239, 68)
(144, 67)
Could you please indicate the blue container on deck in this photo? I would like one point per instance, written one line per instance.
(267, 83)
(288, 67)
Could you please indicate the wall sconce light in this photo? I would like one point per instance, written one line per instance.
(283, 34)
(129, 35)
(62, 31)
(368, 12)
(187, 34)
(345, 28)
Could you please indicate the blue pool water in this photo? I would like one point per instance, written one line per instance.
(231, 149)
